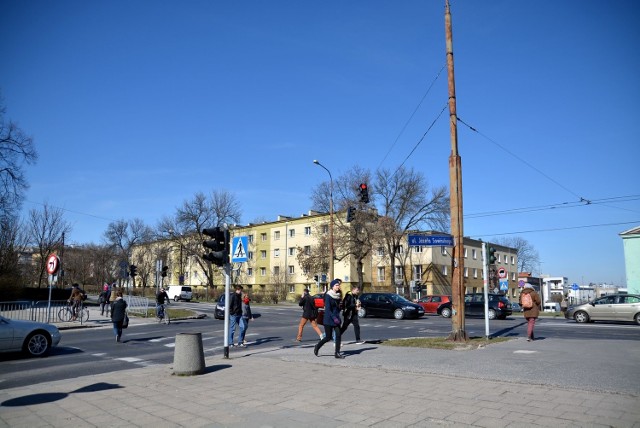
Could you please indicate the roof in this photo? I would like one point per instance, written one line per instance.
(633, 231)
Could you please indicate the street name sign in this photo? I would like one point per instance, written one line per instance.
(430, 240)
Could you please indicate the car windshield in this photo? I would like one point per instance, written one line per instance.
(398, 299)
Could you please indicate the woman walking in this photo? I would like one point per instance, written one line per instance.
(118, 313)
(530, 302)
(244, 320)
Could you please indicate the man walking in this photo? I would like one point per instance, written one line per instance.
(350, 307)
(309, 314)
(235, 312)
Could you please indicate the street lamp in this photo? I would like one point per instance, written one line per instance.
(330, 220)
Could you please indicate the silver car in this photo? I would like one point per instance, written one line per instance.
(33, 338)
(615, 307)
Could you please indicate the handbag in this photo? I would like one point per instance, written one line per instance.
(125, 321)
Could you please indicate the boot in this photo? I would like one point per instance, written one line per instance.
(339, 355)
(316, 349)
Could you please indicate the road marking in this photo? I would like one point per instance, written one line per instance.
(100, 354)
(130, 359)
(522, 351)
(170, 345)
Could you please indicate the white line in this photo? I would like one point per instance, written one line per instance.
(130, 359)
(100, 354)
(170, 345)
(525, 352)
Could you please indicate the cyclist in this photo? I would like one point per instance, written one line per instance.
(76, 298)
(161, 298)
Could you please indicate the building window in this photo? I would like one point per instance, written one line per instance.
(276, 235)
(417, 249)
(292, 251)
(466, 272)
(307, 230)
(307, 250)
(513, 260)
(381, 274)
(305, 270)
(249, 271)
(263, 254)
(263, 237)
(250, 239)
(292, 233)
(444, 269)
(325, 229)
(474, 253)
(263, 271)
(400, 249)
(443, 251)
(276, 252)
(417, 272)
(399, 272)
(513, 276)
(292, 288)
(475, 272)
(465, 252)
(292, 269)
(276, 270)
(380, 251)
(249, 255)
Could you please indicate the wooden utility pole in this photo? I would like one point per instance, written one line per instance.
(458, 332)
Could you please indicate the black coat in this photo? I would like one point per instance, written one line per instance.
(309, 310)
(235, 305)
(118, 310)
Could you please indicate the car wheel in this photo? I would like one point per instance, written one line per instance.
(446, 312)
(637, 318)
(38, 344)
(362, 312)
(176, 299)
(492, 314)
(398, 314)
(581, 317)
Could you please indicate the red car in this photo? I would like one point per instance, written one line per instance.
(433, 304)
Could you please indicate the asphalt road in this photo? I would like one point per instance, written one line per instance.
(610, 348)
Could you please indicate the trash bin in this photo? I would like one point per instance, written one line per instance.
(188, 356)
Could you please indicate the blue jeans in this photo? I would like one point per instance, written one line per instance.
(117, 328)
(233, 321)
(244, 323)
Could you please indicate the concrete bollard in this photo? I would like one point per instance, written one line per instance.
(188, 357)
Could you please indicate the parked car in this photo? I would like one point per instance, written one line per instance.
(515, 307)
(218, 312)
(499, 306)
(615, 307)
(433, 304)
(388, 305)
(179, 292)
(33, 338)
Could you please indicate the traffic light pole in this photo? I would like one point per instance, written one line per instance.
(485, 283)
(227, 299)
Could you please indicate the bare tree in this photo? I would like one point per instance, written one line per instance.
(406, 203)
(12, 244)
(184, 229)
(46, 228)
(123, 235)
(16, 151)
(528, 257)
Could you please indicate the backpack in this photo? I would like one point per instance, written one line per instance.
(527, 301)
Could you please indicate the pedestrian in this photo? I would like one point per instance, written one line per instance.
(112, 294)
(331, 319)
(309, 314)
(350, 307)
(118, 313)
(103, 299)
(244, 320)
(530, 302)
(235, 312)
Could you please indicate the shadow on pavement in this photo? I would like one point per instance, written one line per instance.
(48, 397)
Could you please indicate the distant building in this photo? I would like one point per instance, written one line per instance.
(631, 244)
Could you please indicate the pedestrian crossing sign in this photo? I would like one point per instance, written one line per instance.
(239, 249)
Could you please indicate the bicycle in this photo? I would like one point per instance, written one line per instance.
(67, 314)
(162, 314)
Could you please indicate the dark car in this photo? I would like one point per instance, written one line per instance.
(433, 304)
(388, 305)
(218, 312)
(499, 306)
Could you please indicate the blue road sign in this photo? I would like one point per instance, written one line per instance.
(239, 249)
(575, 286)
(430, 240)
(504, 285)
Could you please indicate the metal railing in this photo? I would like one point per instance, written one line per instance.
(137, 304)
(33, 311)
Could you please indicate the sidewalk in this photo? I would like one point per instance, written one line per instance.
(287, 386)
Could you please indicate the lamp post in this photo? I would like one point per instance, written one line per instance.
(330, 219)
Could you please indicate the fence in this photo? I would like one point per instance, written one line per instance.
(137, 304)
(33, 311)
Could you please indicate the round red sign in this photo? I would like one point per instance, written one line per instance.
(502, 273)
(53, 264)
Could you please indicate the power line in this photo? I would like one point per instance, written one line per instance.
(72, 211)
(559, 228)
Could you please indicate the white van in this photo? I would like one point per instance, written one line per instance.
(179, 292)
(551, 307)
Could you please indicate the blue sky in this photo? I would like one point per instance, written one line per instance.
(135, 106)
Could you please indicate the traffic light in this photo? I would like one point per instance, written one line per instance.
(351, 214)
(133, 270)
(364, 193)
(492, 255)
(417, 287)
(316, 278)
(219, 246)
(164, 271)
